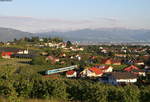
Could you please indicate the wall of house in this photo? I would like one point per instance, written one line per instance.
(88, 73)
(116, 81)
(127, 80)
(73, 75)
(6, 57)
(110, 69)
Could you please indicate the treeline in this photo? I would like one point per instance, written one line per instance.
(38, 39)
(34, 86)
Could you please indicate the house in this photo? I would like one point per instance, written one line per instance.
(139, 63)
(135, 70)
(118, 78)
(63, 55)
(23, 52)
(91, 72)
(104, 51)
(147, 68)
(107, 61)
(6, 55)
(116, 62)
(7, 51)
(71, 74)
(44, 53)
(105, 69)
(78, 57)
(111, 61)
(52, 59)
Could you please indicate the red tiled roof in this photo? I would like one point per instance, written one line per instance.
(111, 61)
(103, 67)
(106, 60)
(70, 72)
(130, 68)
(6, 53)
(96, 70)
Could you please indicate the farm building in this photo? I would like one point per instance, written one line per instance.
(117, 78)
(28, 56)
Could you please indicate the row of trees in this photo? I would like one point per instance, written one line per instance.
(69, 90)
(38, 39)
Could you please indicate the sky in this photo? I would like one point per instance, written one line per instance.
(97, 13)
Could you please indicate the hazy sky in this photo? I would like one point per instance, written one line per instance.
(123, 13)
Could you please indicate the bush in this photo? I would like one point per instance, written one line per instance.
(38, 60)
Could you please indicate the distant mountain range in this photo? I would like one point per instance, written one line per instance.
(95, 35)
(103, 35)
(7, 34)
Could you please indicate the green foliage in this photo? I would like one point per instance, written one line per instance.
(132, 94)
(39, 60)
(73, 90)
(57, 40)
(56, 52)
(23, 88)
(115, 94)
(0, 55)
(95, 93)
(147, 61)
(145, 94)
(69, 44)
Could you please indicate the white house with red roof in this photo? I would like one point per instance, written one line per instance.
(91, 72)
(6, 55)
(105, 69)
(52, 59)
(71, 74)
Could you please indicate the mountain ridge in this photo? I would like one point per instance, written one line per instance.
(94, 35)
(9, 34)
(103, 35)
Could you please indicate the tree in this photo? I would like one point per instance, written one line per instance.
(148, 62)
(57, 40)
(38, 60)
(69, 44)
(145, 94)
(132, 93)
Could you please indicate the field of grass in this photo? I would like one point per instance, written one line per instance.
(14, 62)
